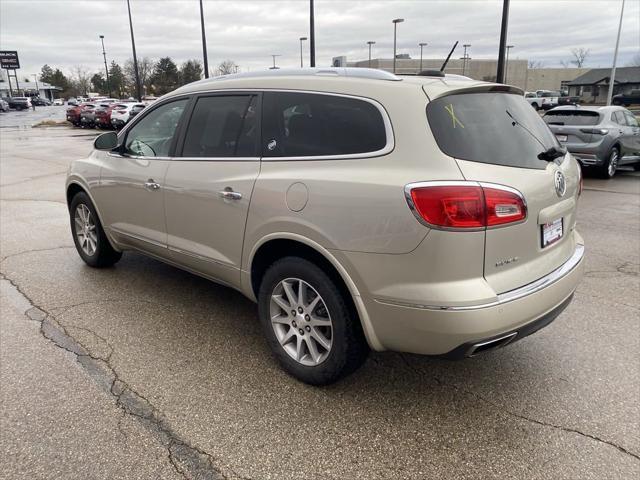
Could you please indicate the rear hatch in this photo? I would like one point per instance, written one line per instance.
(572, 127)
(496, 138)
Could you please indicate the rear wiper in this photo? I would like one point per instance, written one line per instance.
(552, 153)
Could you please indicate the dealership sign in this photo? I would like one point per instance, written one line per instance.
(9, 59)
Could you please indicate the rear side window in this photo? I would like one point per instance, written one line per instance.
(490, 127)
(310, 125)
(631, 120)
(572, 117)
(618, 117)
(222, 126)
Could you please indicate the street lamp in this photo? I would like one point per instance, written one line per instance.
(106, 70)
(421, 46)
(395, 21)
(274, 62)
(465, 57)
(312, 35)
(503, 41)
(506, 63)
(135, 57)
(370, 42)
(35, 76)
(302, 39)
(204, 43)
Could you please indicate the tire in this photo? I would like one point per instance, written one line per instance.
(535, 106)
(102, 254)
(636, 167)
(608, 169)
(333, 318)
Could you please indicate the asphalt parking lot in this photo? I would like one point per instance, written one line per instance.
(145, 371)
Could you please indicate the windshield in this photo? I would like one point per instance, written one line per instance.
(494, 127)
(572, 117)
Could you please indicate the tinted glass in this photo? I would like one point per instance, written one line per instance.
(307, 124)
(151, 136)
(572, 117)
(492, 127)
(631, 120)
(618, 117)
(222, 126)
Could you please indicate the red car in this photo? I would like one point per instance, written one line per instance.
(73, 113)
(103, 114)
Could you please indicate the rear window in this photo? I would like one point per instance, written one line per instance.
(572, 117)
(490, 127)
(310, 125)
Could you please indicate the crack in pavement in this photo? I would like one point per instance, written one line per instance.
(189, 461)
(32, 200)
(507, 412)
(36, 250)
(37, 177)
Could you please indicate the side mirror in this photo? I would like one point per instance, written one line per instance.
(106, 141)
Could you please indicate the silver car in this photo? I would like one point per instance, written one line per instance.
(601, 138)
(359, 209)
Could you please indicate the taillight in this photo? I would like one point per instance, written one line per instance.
(580, 179)
(465, 205)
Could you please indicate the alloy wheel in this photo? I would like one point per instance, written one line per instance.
(613, 163)
(301, 321)
(86, 229)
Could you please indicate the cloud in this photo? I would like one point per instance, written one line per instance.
(65, 33)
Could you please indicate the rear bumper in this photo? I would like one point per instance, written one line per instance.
(451, 331)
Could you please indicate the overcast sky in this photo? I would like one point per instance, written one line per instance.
(65, 33)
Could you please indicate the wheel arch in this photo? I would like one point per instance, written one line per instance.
(276, 246)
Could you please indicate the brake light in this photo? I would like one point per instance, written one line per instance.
(465, 205)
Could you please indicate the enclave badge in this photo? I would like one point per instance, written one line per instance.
(560, 183)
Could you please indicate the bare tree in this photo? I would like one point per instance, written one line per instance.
(226, 67)
(535, 64)
(145, 69)
(579, 56)
(565, 63)
(81, 79)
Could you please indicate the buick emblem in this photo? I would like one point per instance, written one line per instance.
(560, 183)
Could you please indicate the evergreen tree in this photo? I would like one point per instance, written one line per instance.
(117, 80)
(191, 71)
(165, 76)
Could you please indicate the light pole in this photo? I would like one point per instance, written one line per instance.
(135, 57)
(395, 31)
(35, 76)
(274, 62)
(615, 59)
(422, 45)
(106, 70)
(370, 42)
(302, 39)
(464, 58)
(506, 63)
(312, 35)
(503, 41)
(204, 43)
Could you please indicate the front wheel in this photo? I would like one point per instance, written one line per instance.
(89, 237)
(608, 168)
(310, 324)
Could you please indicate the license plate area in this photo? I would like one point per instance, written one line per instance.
(561, 138)
(552, 232)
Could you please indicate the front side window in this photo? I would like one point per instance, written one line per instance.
(310, 125)
(631, 120)
(618, 117)
(222, 126)
(152, 136)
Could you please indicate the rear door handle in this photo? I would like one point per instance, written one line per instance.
(151, 185)
(229, 194)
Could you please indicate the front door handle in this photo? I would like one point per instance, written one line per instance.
(151, 185)
(229, 194)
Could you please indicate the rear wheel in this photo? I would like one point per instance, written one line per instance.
(535, 106)
(310, 326)
(89, 237)
(608, 168)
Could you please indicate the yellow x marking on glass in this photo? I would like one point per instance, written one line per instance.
(449, 108)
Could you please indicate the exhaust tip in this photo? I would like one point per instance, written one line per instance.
(481, 347)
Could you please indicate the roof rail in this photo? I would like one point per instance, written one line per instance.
(354, 72)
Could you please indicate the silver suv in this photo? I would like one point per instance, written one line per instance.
(360, 210)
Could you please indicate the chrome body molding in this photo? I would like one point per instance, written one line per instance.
(509, 296)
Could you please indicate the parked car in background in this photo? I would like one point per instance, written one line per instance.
(627, 99)
(19, 103)
(121, 114)
(136, 109)
(600, 138)
(535, 101)
(40, 102)
(58, 101)
(73, 113)
(350, 226)
(4, 105)
(104, 112)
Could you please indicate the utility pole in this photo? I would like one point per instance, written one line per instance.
(204, 43)
(464, 58)
(421, 46)
(506, 63)
(274, 62)
(302, 39)
(615, 59)
(312, 35)
(135, 57)
(35, 76)
(370, 42)
(395, 31)
(503, 41)
(106, 70)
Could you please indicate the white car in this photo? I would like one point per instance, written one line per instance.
(58, 101)
(537, 101)
(120, 115)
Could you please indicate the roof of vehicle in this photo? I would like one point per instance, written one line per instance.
(333, 78)
(601, 109)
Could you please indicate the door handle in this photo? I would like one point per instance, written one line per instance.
(151, 185)
(229, 194)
